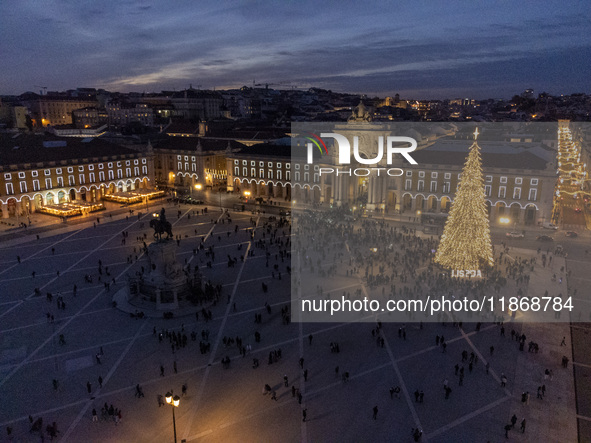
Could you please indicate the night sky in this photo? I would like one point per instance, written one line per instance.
(418, 49)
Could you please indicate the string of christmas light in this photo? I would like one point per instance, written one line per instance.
(570, 170)
(466, 243)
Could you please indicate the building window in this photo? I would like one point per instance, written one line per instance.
(244, 172)
(297, 166)
(21, 175)
(34, 173)
(487, 190)
(447, 176)
(516, 193)
(111, 174)
(433, 186)
(236, 170)
(279, 165)
(306, 176)
(446, 187)
(236, 162)
(262, 173)
(47, 172)
(434, 175)
(101, 176)
(261, 164)
(144, 170)
(91, 177)
(137, 162)
(518, 180)
(421, 174)
(244, 162)
(270, 173)
(297, 176)
(143, 161)
(23, 186)
(81, 178)
(503, 179)
(253, 163)
(407, 185)
(409, 173)
(60, 182)
(71, 180)
(80, 168)
(101, 166)
(57, 171)
(10, 189)
(119, 173)
(287, 175)
(533, 194)
(270, 164)
(421, 185)
(489, 178)
(179, 166)
(110, 165)
(316, 178)
(119, 164)
(534, 182)
(502, 191)
(253, 172)
(48, 184)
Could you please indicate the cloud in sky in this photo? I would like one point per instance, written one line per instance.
(425, 49)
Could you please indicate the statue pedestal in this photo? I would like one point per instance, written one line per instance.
(165, 279)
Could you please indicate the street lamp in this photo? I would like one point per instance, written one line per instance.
(198, 186)
(174, 402)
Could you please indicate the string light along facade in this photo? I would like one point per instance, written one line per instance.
(466, 244)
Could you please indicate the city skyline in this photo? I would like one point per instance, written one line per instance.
(422, 52)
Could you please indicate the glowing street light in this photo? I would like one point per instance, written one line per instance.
(198, 186)
(504, 220)
(174, 402)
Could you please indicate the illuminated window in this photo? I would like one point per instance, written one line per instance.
(533, 194)
(517, 193)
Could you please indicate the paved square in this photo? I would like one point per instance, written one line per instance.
(229, 404)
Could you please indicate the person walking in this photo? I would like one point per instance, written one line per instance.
(88, 387)
(304, 414)
(375, 412)
(100, 380)
(94, 416)
(523, 426)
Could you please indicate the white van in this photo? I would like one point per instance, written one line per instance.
(548, 225)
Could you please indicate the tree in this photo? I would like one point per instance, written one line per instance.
(466, 243)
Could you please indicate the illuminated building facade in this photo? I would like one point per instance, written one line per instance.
(38, 170)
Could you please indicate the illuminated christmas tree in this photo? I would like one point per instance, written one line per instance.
(465, 243)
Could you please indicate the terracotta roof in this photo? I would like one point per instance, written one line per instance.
(30, 148)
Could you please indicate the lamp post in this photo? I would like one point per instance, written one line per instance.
(174, 402)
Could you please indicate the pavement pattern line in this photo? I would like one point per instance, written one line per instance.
(467, 417)
(303, 426)
(90, 401)
(64, 325)
(41, 250)
(217, 342)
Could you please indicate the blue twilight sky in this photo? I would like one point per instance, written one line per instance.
(419, 49)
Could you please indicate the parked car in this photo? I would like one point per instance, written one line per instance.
(548, 225)
(544, 238)
(515, 234)
(283, 213)
(571, 234)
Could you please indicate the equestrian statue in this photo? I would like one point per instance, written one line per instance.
(161, 226)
